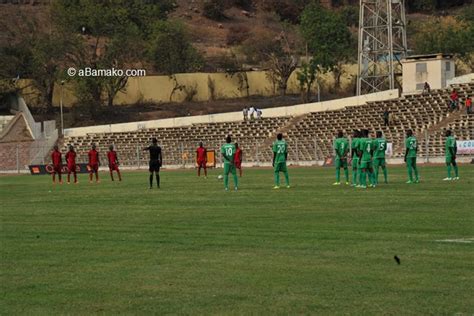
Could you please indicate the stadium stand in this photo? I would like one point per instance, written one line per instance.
(310, 136)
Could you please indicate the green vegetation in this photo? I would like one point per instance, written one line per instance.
(191, 248)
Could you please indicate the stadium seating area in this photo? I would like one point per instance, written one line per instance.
(310, 137)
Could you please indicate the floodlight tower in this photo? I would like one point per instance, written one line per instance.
(382, 44)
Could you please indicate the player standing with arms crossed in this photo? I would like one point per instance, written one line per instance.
(411, 149)
(156, 161)
(355, 157)
(71, 164)
(379, 157)
(201, 159)
(57, 160)
(228, 156)
(280, 156)
(93, 164)
(341, 147)
(113, 163)
(451, 150)
(238, 159)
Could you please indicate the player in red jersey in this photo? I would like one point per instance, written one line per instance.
(93, 164)
(201, 159)
(57, 161)
(238, 158)
(71, 164)
(113, 163)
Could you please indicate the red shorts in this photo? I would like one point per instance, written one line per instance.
(201, 163)
(94, 167)
(71, 168)
(238, 164)
(57, 168)
(113, 167)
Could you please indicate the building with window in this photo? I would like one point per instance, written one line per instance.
(436, 69)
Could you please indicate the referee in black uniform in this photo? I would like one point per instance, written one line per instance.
(156, 160)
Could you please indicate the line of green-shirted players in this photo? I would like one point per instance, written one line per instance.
(368, 156)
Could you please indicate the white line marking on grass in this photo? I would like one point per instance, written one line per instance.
(459, 240)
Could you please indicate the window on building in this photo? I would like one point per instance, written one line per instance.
(421, 67)
(448, 66)
(420, 86)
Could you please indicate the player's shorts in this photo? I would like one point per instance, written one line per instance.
(364, 164)
(340, 163)
(379, 162)
(154, 166)
(113, 167)
(71, 168)
(450, 160)
(280, 167)
(411, 162)
(229, 168)
(238, 164)
(57, 168)
(355, 163)
(94, 167)
(201, 164)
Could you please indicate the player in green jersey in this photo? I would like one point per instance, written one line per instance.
(411, 149)
(355, 157)
(379, 157)
(450, 153)
(341, 147)
(228, 155)
(280, 155)
(366, 150)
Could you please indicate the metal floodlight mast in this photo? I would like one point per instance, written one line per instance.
(382, 45)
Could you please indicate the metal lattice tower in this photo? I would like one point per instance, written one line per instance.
(382, 44)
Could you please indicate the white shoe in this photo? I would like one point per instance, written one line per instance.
(456, 178)
(447, 179)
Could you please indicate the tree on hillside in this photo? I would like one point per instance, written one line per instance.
(306, 76)
(114, 33)
(329, 40)
(451, 36)
(275, 52)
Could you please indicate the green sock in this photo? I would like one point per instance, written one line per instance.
(287, 178)
(410, 174)
(226, 181)
(385, 175)
(354, 176)
(277, 179)
(236, 180)
(416, 172)
(338, 174)
(346, 174)
(456, 171)
(376, 176)
(449, 171)
(363, 177)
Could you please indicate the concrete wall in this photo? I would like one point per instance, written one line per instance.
(461, 79)
(294, 110)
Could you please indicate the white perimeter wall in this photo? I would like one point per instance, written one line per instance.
(293, 110)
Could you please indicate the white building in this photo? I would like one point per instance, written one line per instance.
(436, 69)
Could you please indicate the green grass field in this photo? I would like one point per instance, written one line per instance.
(191, 248)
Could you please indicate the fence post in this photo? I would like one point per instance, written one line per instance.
(297, 152)
(427, 154)
(138, 157)
(42, 154)
(257, 159)
(315, 152)
(17, 158)
(182, 155)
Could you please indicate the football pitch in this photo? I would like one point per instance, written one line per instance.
(192, 248)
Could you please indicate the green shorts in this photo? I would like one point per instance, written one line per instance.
(450, 160)
(365, 164)
(340, 163)
(411, 162)
(379, 162)
(280, 167)
(355, 163)
(229, 168)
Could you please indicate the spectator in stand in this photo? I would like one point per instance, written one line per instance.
(259, 114)
(469, 105)
(454, 98)
(252, 113)
(245, 111)
(426, 88)
(386, 117)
